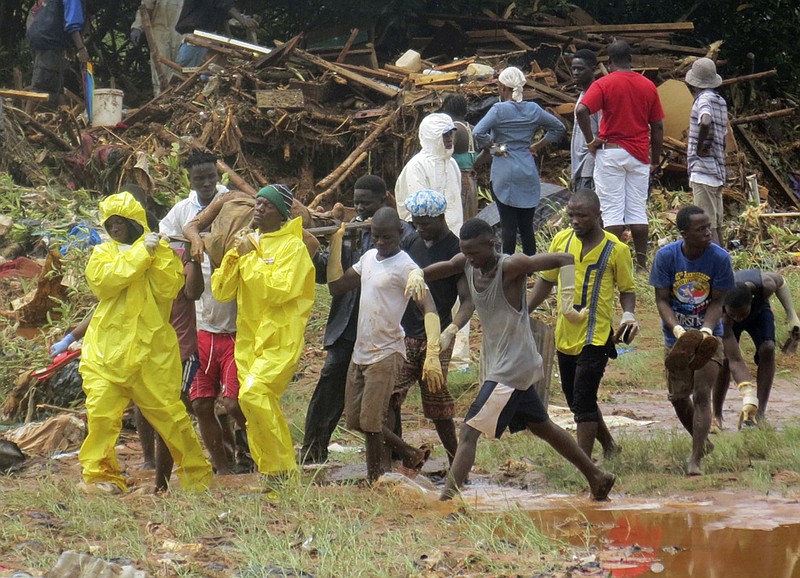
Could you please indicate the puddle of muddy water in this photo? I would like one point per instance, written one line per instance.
(719, 535)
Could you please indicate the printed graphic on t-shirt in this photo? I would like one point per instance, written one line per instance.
(691, 293)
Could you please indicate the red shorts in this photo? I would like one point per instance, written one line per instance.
(217, 371)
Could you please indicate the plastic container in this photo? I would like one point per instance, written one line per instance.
(107, 109)
(411, 60)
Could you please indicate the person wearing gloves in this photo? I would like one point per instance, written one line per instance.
(747, 309)
(496, 285)
(163, 16)
(270, 275)
(388, 279)
(433, 168)
(507, 131)
(691, 277)
(427, 210)
(130, 351)
(585, 341)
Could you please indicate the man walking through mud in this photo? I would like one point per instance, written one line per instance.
(496, 286)
(584, 337)
(691, 277)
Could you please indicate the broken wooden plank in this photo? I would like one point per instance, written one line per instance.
(231, 42)
(763, 116)
(347, 46)
(517, 41)
(291, 98)
(771, 173)
(49, 134)
(279, 54)
(628, 28)
(749, 77)
(425, 79)
(667, 47)
(24, 94)
(544, 89)
(353, 156)
(380, 73)
(382, 88)
(456, 64)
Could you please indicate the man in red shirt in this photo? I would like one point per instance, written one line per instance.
(628, 149)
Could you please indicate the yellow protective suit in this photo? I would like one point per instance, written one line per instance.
(274, 289)
(130, 352)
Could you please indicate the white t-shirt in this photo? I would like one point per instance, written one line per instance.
(381, 306)
(212, 315)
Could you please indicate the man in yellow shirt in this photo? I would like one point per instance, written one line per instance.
(584, 336)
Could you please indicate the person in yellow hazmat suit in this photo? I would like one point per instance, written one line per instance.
(130, 351)
(270, 274)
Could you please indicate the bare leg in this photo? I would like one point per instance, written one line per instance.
(164, 465)
(640, 234)
(447, 435)
(587, 431)
(374, 443)
(765, 375)
(232, 407)
(211, 432)
(410, 455)
(720, 391)
(146, 437)
(610, 446)
(462, 463)
(684, 409)
(600, 482)
(704, 378)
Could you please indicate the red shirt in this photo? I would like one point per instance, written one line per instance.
(629, 102)
(182, 318)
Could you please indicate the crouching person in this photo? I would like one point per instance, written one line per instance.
(130, 350)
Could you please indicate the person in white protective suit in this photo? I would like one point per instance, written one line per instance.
(130, 351)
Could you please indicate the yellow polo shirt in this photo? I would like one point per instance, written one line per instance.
(604, 268)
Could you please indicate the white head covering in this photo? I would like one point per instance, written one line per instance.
(513, 77)
(431, 130)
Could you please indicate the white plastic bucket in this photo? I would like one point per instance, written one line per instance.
(107, 109)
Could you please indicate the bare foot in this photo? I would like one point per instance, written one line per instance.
(602, 486)
(418, 460)
(693, 468)
(144, 466)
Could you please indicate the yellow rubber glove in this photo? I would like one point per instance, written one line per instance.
(415, 285)
(749, 404)
(567, 290)
(448, 335)
(432, 368)
(335, 271)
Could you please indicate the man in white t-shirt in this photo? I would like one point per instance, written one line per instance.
(388, 278)
(216, 322)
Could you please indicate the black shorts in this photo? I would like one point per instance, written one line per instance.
(48, 71)
(760, 325)
(499, 406)
(580, 380)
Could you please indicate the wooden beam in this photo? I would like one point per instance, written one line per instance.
(24, 94)
(763, 116)
(544, 89)
(749, 77)
(347, 46)
(666, 46)
(382, 88)
(771, 173)
(629, 28)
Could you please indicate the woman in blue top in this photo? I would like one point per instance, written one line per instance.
(511, 125)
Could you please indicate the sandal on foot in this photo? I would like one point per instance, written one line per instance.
(704, 352)
(684, 349)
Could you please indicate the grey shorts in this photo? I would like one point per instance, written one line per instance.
(368, 390)
(709, 199)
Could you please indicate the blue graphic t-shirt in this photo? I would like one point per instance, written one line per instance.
(690, 283)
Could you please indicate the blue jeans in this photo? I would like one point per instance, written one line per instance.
(190, 56)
